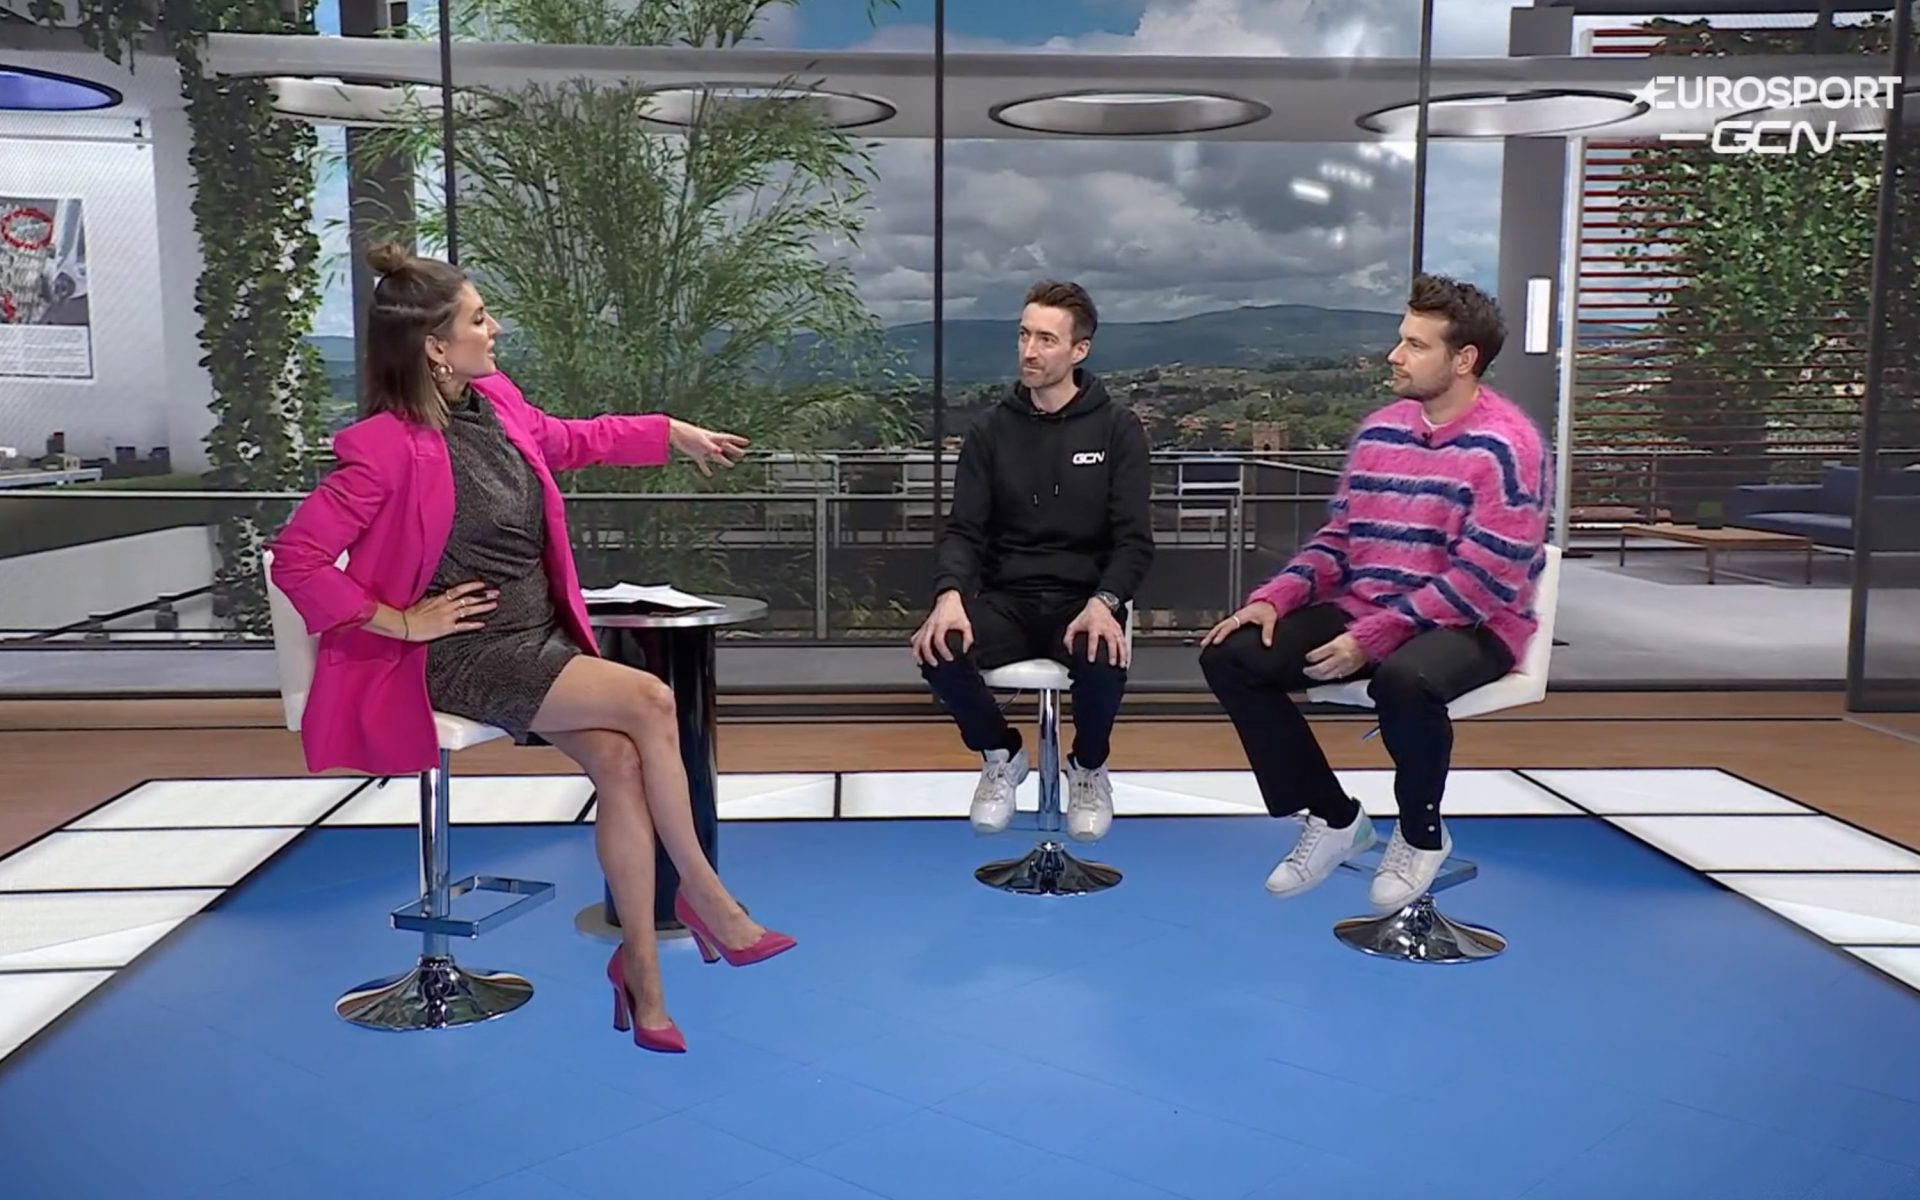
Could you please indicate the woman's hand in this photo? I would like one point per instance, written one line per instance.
(704, 446)
(451, 612)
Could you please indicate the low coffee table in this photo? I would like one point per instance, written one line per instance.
(1716, 540)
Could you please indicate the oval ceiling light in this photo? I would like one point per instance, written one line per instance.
(682, 105)
(23, 89)
(1502, 114)
(367, 105)
(1846, 119)
(1129, 114)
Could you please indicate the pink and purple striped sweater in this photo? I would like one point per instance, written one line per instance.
(1430, 527)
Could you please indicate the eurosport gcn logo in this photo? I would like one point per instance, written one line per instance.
(1834, 109)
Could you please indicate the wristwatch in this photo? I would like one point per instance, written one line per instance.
(1113, 604)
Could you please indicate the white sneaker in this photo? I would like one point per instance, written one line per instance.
(1319, 852)
(1089, 802)
(993, 795)
(1406, 872)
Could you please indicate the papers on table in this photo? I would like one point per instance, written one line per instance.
(654, 596)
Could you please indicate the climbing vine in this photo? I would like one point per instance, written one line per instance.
(1768, 261)
(259, 289)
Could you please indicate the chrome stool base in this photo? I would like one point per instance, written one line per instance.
(1420, 933)
(1048, 870)
(437, 994)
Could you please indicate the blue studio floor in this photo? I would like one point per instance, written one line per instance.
(1650, 1033)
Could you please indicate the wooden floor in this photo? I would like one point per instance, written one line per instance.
(58, 759)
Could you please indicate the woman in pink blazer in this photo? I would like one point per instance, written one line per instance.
(459, 594)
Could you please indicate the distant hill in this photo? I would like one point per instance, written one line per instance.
(334, 349)
(979, 350)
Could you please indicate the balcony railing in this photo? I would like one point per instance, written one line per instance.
(81, 567)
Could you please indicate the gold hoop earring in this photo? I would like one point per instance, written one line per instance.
(441, 371)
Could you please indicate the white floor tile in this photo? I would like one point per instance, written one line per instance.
(1185, 793)
(145, 858)
(1840, 908)
(921, 793)
(29, 1002)
(183, 803)
(1901, 962)
(1769, 844)
(1469, 794)
(775, 797)
(1651, 792)
(89, 929)
(769, 797)
(474, 800)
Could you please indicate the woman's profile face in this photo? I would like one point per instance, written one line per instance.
(467, 347)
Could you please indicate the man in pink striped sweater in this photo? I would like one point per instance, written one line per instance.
(1422, 580)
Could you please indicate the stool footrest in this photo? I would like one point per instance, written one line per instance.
(532, 894)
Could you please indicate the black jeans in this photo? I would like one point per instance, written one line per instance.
(1410, 692)
(1008, 628)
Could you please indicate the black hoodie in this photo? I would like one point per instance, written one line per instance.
(1050, 502)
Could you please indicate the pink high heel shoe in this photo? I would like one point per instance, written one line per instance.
(663, 1041)
(712, 949)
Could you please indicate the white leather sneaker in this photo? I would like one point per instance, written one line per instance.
(1001, 775)
(1089, 802)
(1406, 872)
(1319, 852)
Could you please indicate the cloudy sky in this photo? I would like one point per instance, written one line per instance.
(1154, 229)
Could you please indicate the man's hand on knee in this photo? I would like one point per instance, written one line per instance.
(1260, 613)
(1337, 659)
(1097, 622)
(932, 642)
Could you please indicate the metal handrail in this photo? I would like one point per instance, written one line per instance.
(1232, 504)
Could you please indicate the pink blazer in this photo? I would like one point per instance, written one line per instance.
(390, 504)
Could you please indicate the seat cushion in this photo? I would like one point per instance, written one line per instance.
(458, 733)
(1827, 529)
(1509, 691)
(1030, 675)
(1351, 691)
(1515, 690)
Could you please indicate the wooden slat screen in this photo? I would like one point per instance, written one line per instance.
(1671, 410)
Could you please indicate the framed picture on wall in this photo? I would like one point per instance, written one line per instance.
(46, 326)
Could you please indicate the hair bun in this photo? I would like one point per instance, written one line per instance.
(388, 257)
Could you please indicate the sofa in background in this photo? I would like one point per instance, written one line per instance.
(1824, 511)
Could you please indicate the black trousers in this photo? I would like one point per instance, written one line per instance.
(1410, 692)
(1008, 628)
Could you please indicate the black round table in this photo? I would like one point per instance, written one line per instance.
(678, 646)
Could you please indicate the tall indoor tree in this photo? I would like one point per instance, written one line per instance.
(701, 268)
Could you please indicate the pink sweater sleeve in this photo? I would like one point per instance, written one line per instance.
(1318, 570)
(1490, 564)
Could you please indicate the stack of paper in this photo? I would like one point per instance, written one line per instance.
(657, 595)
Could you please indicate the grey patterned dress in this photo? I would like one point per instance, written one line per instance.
(498, 675)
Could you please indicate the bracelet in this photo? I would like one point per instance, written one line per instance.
(407, 630)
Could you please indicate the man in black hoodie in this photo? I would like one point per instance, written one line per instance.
(1049, 537)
